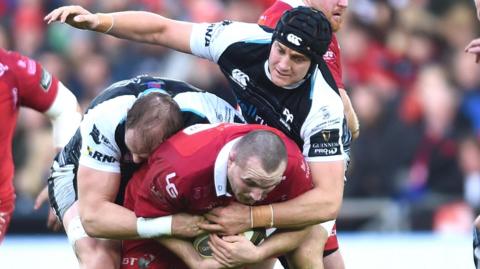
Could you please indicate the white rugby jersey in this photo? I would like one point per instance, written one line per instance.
(103, 127)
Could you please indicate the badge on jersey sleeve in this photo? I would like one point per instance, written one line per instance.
(325, 143)
(45, 80)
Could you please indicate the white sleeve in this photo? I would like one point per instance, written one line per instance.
(64, 115)
(323, 129)
(209, 106)
(294, 3)
(209, 41)
(99, 147)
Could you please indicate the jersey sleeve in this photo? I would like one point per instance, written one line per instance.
(99, 149)
(272, 15)
(204, 107)
(209, 41)
(333, 61)
(37, 88)
(324, 127)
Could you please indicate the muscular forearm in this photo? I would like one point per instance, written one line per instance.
(137, 25)
(282, 242)
(151, 28)
(310, 208)
(320, 204)
(183, 249)
(108, 220)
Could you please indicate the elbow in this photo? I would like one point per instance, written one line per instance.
(330, 211)
(89, 225)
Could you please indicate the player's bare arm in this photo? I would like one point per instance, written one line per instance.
(138, 26)
(235, 250)
(185, 251)
(101, 217)
(318, 205)
(350, 115)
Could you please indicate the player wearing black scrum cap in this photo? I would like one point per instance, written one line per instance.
(280, 80)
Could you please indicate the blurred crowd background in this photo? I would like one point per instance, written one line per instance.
(416, 165)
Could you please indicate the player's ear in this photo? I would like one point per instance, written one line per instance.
(231, 157)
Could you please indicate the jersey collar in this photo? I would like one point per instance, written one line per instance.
(220, 169)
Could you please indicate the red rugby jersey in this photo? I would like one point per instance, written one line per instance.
(23, 82)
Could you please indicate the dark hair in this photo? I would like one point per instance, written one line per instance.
(156, 116)
(264, 145)
(305, 30)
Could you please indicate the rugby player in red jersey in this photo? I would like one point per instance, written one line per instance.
(25, 83)
(205, 166)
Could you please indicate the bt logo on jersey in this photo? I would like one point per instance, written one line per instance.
(295, 40)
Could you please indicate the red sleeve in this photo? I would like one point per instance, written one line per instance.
(271, 16)
(36, 87)
(333, 60)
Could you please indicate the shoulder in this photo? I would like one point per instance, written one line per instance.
(211, 40)
(107, 115)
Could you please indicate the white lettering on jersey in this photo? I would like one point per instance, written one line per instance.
(32, 67)
(295, 40)
(171, 188)
(288, 119)
(199, 127)
(3, 69)
(15, 97)
(129, 261)
(240, 78)
(288, 115)
(329, 56)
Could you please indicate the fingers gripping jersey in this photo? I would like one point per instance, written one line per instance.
(99, 143)
(311, 114)
(272, 15)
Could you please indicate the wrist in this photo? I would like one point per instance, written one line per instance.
(262, 216)
(261, 254)
(105, 23)
(155, 227)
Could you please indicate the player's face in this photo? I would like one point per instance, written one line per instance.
(287, 66)
(135, 145)
(251, 184)
(333, 9)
